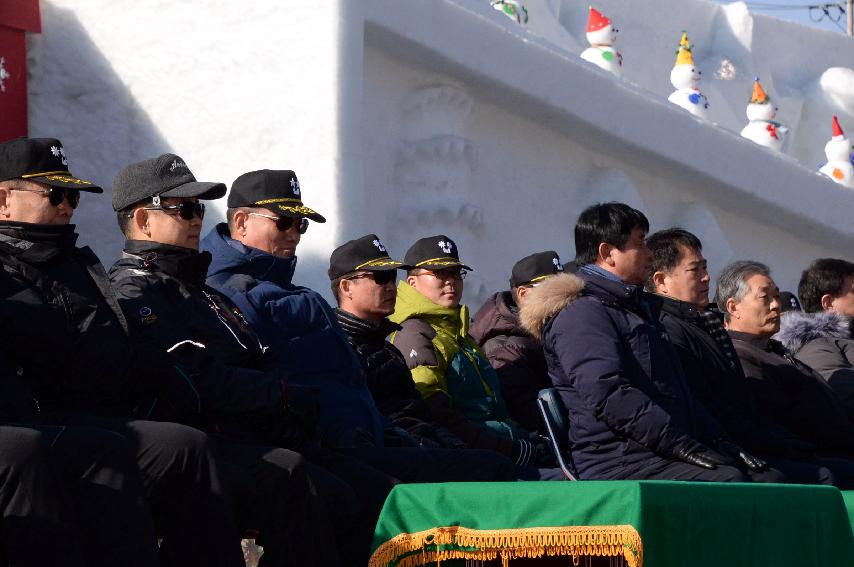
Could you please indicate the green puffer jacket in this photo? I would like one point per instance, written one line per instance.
(444, 359)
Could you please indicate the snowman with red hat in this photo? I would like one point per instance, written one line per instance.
(685, 78)
(762, 128)
(601, 34)
(838, 150)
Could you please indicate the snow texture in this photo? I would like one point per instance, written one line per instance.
(415, 118)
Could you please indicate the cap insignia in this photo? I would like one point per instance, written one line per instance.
(60, 153)
(295, 186)
(557, 264)
(379, 245)
(446, 246)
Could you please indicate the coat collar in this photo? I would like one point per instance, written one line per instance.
(412, 304)
(758, 341)
(184, 264)
(680, 309)
(231, 255)
(37, 243)
(363, 329)
(798, 328)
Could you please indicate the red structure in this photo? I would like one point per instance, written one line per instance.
(17, 17)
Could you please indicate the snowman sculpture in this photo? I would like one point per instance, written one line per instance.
(685, 78)
(838, 150)
(513, 9)
(762, 128)
(601, 34)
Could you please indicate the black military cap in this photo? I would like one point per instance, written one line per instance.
(365, 253)
(42, 160)
(164, 176)
(789, 302)
(276, 190)
(433, 253)
(535, 267)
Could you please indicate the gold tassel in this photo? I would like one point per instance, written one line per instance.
(454, 542)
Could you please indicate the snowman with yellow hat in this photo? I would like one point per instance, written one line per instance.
(762, 128)
(838, 150)
(685, 78)
(601, 35)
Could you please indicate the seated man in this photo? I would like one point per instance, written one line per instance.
(451, 372)
(631, 413)
(681, 282)
(254, 257)
(91, 373)
(785, 389)
(516, 356)
(820, 337)
(364, 281)
(159, 283)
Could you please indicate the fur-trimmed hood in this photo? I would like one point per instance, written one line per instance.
(798, 328)
(546, 300)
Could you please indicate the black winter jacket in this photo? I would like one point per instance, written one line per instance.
(65, 330)
(390, 380)
(516, 356)
(162, 292)
(721, 388)
(792, 393)
(617, 374)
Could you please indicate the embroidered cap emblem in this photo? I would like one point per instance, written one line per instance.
(558, 265)
(176, 164)
(379, 245)
(446, 246)
(295, 186)
(59, 152)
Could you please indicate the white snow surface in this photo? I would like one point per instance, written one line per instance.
(409, 119)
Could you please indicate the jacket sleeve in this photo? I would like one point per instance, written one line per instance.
(834, 360)
(473, 434)
(520, 381)
(587, 345)
(428, 365)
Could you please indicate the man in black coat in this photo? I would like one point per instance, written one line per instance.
(681, 281)
(517, 356)
(631, 413)
(82, 368)
(785, 389)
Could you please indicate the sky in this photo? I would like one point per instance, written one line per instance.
(798, 11)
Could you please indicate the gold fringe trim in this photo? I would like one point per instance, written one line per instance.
(454, 542)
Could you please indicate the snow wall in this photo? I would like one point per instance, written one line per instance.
(412, 118)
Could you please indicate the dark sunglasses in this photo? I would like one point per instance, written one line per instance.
(56, 195)
(185, 209)
(285, 223)
(444, 274)
(380, 278)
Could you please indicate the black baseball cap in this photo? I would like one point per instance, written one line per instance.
(535, 267)
(433, 253)
(272, 189)
(164, 176)
(365, 253)
(789, 302)
(40, 159)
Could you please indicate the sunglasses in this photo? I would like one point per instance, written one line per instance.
(380, 278)
(56, 195)
(285, 223)
(446, 274)
(185, 209)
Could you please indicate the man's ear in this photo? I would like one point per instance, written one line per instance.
(5, 211)
(344, 288)
(827, 302)
(139, 222)
(238, 223)
(604, 255)
(411, 280)
(659, 283)
(732, 308)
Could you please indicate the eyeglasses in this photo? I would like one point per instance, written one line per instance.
(56, 195)
(446, 274)
(185, 209)
(285, 223)
(380, 278)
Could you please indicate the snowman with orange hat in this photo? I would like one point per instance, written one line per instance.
(838, 150)
(762, 128)
(685, 78)
(601, 34)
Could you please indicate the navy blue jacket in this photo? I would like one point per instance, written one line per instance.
(621, 381)
(303, 328)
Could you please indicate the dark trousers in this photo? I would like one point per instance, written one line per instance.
(302, 515)
(72, 496)
(657, 468)
(182, 487)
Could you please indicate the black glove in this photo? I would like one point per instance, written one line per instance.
(698, 454)
(753, 463)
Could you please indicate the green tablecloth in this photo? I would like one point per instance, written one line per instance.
(679, 523)
(848, 498)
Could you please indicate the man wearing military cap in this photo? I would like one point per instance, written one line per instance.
(82, 368)
(451, 372)
(517, 356)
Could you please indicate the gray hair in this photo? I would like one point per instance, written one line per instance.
(732, 282)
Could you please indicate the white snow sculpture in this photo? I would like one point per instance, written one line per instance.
(601, 34)
(762, 128)
(838, 150)
(685, 78)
